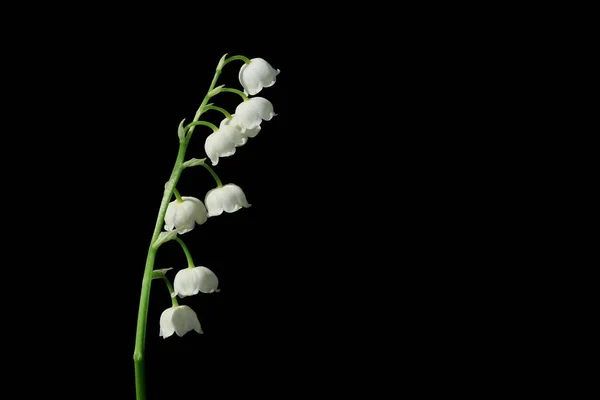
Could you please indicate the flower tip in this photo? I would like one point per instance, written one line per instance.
(215, 213)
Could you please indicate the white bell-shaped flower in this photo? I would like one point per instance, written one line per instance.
(179, 320)
(222, 142)
(257, 74)
(246, 133)
(190, 281)
(228, 198)
(250, 113)
(185, 214)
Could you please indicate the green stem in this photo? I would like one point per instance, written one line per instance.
(188, 255)
(213, 173)
(232, 58)
(140, 335)
(230, 90)
(205, 101)
(222, 110)
(177, 195)
(191, 126)
(174, 301)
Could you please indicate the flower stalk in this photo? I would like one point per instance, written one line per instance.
(185, 212)
(238, 92)
(140, 337)
(177, 195)
(214, 174)
(188, 255)
(219, 109)
(174, 301)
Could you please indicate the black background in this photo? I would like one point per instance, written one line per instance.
(110, 111)
(332, 274)
(392, 199)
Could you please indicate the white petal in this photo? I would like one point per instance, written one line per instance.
(243, 136)
(213, 202)
(256, 75)
(184, 320)
(166, 326)
(230, 205)
(195, 325)
(264, 108)
(169, 217)
(185, 214)
(220, 144)
(179, 321)
(228, 198)
(186, 283)
(211, 149)
(207, 280)
(252, 112)
(252, 132)
(243, 81)
(235, 193)
(197, 210)
(232, 133)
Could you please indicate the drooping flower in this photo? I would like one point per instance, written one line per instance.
(256, 75)
(222, 142)
(250, 113)
(228, 198)
(190, 281)
(179, 320)
(185, 214)
(246, 133)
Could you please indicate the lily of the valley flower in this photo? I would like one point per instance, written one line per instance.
(190, 281)
(179, 320)
(246, 133)
(249, 114)
(185, 214)
(257, 74)
(222, 143)
(228, 198)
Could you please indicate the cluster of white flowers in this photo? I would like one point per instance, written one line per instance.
(188, 282)
(245, 122)
(183, 214)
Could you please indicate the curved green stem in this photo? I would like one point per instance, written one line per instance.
(191, 125)
(140, 335)
(206, 98)
(177, 195)
(213, 173)
(222, 110)
(174, 301)
(232, 58)
(242, 94)
(188, 255)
